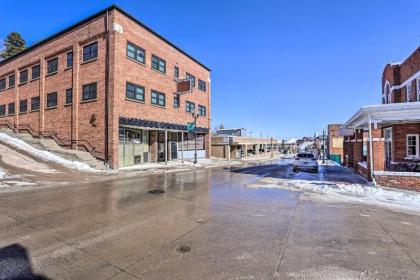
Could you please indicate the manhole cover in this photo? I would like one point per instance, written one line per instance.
(157, 191)
(183, 249)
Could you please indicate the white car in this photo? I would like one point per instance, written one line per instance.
(305, 161)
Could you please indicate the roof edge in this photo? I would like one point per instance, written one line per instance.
(89, 18)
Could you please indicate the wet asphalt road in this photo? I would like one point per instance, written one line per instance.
(207, 225)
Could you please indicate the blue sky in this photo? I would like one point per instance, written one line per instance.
(280, 68)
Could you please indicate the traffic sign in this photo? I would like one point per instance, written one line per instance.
(190, 127)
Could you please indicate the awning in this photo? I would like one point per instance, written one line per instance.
(385, 114)
(157, 125)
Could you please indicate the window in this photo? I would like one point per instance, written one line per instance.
(409, 91)
(201, 85)
(90, 51)
(23, 76)
(158, 64)
(418, 89)
(2, 110)
(201, 110)
(69, 59)
(134, 92)
(3, 84)
(12, 79)
(190, 107)
(412, 145)
(191, 77)
(158, 98)
(35, 72)
(176, 72)
(35, 103)
(176, 100)
(11, 108)
(135, 52)
(51, 100)
(69, 96)
(89, 92)
(23, 106)
(52, 65)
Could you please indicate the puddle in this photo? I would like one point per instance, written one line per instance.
(157, 191)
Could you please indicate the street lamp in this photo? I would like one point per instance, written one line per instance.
(195, 116)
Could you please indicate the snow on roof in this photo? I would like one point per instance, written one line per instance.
(395, 63)
(291, 141)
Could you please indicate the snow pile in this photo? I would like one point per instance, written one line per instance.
(45, 155)
(2, 174)
(348, 192)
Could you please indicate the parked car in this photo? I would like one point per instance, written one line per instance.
(305, 161)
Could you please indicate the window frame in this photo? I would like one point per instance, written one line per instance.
(205, 85)
(69, 90)
(39, 71)
(159, 94)
(69, 54)
(187, 106)
(5, 84)
(409, 92)
(159, 59)
(49, 67)
(96, 91)
(21, 82)
(417, 155)
(199, 111)
(23, 101)
(3, 112)
(136, 86)
(32, 103)
(136, 48)
(56, 100)
(191, 77)
(14, 80)
(418, 89)
(176, 72)
(90, 45)
(177, 100)
(8, 108)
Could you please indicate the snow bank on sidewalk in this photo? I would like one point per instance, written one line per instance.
(348, 192)
(45, 155)
(2, 174)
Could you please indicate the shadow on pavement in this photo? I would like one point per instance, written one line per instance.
(15, 264)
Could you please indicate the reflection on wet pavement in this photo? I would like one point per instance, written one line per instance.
(206, 224)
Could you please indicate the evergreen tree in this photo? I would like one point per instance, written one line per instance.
(13, 44)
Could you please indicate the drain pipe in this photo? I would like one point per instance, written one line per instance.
(371, 151)
(106, 88)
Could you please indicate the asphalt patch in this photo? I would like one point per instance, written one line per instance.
(157, 191)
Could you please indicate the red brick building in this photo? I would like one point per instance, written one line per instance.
(391, 130)
(107, 85)
(335, 143)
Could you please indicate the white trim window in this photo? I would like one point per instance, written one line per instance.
(409, 92)
(412, 145)
(418, 89)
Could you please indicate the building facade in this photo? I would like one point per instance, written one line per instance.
(390, 130)
(335, 143)
(107, 85)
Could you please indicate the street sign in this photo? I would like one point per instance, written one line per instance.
(190, 127)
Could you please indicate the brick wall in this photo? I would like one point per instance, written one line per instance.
(399, 136)
(402, 182)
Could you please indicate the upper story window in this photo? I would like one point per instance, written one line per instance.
(176, 72)
(190, 107)
(23, 76)
(201, 110)
(191, 77)
(413, 145)
(386, 96)
(35, 72)
(176, 100)
(69, 59)
(409, 91)
(2, 110)
(202, 85)
(90, 51)
(12, 79)
(23, 106)
(35, 103)
(134, 92)
(158, 98)
(69, 96)
(135, 52)
(52, 65)
(89, 92)
(158, 64)
(51, 100)
(11, 108)
(3, 84)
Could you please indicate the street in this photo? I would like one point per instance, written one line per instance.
(214, 223)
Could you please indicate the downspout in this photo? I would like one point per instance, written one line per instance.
(371, 151)
(106, 88)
